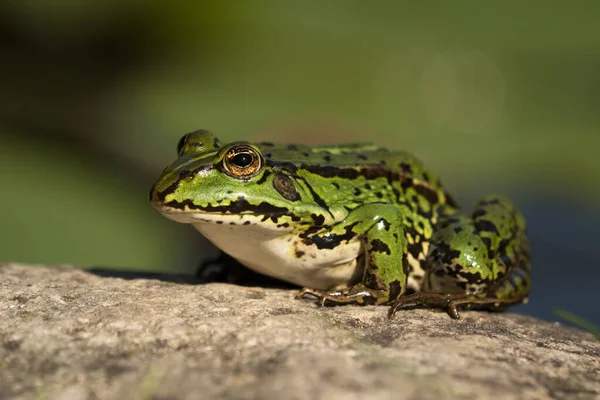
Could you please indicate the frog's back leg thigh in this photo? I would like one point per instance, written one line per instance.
(508, 248)
(479, 262)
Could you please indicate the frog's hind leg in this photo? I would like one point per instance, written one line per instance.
(482, 262)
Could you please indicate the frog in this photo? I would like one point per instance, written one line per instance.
(349, 223)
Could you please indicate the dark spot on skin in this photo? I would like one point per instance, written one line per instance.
(335, 185)
(219, 222)
(232, 223)
(371, 280)
(369, 300)
(247, 223)
(426, 177)
(479, 213)
(299, 253)
(286, 166)
(445, 253)
(430, 195)
(327, 158)
(368, 171)
(397, 194)
(319, 220)
(394, 290)
(406, 183)
(486, 226)
(378, 194)
(266, 144)
(264, 177)
(367, 186)
(386, 225)
(327, 240)
(503, 245)
(267, 155)
(295, 218)
(361, 156)
(284, 225)
(285, 186)
(414, 249)
(458, 229)
(305, 154)
(470, 277)
(406, 168)
(453, 220)
(356, 191)
(380, 247)
(229, 192)
(292, 147)
(382, 162)
(487, 241)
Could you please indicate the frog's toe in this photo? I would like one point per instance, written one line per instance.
(446, 302)
(307, 294)
(351, 295)
(322, 297)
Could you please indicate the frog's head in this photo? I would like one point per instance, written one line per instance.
(232, 184)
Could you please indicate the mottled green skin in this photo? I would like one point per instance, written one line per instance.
(418, 246)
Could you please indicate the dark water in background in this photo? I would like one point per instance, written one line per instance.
(565, 245)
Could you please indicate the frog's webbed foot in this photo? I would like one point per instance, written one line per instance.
(451, 302)
(448, 302)
(357, 294)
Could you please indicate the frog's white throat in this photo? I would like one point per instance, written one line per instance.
(273, 249)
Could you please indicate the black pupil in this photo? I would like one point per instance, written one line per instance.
(242, 160)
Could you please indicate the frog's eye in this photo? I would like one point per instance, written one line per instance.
(242, 161)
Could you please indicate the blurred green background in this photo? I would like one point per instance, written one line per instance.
(493, 96)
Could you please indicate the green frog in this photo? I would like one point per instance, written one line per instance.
(350, 223)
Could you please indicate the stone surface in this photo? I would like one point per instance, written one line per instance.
(70, 334)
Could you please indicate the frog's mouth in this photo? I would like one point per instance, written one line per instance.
(240, 210)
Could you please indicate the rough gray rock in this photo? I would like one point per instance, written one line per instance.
(70, 334)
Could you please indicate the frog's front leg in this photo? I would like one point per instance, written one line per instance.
(381, 231)
(482, 262)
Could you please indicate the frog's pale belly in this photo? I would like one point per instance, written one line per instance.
(281, 255)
